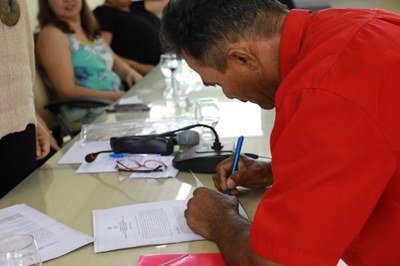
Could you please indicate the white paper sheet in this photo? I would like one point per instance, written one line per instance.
(54, 239)
(144, 224)
(130, 100)
(104, 163)
(76, 154)
(140, 225)
(198, 182)
(242, 212)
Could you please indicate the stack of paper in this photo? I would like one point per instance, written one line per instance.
(53, 238)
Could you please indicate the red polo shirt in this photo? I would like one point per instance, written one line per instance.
(335, 143)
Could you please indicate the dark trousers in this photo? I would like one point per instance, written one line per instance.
(17, 158)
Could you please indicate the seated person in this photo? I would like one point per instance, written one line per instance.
(76, 59)
(155, 6)
(132, 30)
(288, 3)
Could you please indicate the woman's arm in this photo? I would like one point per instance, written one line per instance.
(155, 6)
(139, 67)
(43, 129)
(55, 55)
(124, 71)
(43, 140)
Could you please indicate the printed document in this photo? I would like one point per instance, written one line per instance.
(144, 224)
(140, 225)
(54, 239)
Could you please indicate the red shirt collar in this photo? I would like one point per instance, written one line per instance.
(291, 40)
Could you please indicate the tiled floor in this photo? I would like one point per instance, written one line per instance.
(391, 5)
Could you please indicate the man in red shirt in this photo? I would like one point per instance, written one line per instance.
(333, 79)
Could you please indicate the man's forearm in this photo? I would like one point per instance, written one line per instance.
(234, 244)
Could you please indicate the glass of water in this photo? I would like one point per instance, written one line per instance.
(206, 111)
(19, 250)
(169, 64)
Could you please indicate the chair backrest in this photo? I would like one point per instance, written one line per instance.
(41, 98)
(48, 102)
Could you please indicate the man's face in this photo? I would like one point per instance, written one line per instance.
(238, 83)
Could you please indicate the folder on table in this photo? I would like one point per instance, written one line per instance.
(209, 259)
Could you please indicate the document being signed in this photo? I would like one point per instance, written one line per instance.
(140, 225)
(154, 223)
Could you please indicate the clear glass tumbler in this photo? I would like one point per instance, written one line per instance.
(206, 111)
(169, 64)
(19, 250)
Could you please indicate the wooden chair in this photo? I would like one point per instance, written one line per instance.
(48, 106)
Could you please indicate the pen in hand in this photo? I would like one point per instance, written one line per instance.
(236, 159)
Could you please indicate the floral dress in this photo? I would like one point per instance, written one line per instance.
(92, 64)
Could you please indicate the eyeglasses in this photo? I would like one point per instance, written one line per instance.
(148, 166)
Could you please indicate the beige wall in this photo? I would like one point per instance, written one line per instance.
(33, 8)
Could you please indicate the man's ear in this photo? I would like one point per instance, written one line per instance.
(241, 56)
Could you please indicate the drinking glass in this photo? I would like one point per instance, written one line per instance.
(206, 111)
(19, 250)
(169, 65)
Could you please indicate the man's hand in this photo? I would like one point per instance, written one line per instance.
(207, 210)
(215, 216)
(250, 173)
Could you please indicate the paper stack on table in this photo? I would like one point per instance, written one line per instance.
(54, 239)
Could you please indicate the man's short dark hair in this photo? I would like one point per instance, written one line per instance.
(204, 28)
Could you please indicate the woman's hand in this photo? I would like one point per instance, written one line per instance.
(132, 77)
(42, 141)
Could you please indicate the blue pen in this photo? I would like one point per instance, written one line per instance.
(236, 159)
(116, 155)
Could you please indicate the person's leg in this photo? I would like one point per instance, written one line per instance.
(17, 158)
